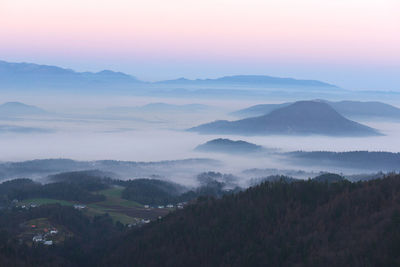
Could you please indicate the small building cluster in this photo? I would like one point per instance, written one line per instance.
(79, 206)
(44, 238)
(180, 205)
(29, 206)
(139, 222)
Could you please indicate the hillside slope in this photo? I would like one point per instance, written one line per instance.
(306, 223)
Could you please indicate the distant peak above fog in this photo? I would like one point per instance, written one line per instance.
(352, 109)
(20, 109)
(299, 118)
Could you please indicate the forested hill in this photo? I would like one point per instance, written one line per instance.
(306, 223)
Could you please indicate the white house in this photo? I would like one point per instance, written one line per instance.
(37, 238)
(54, 232)
(48, 242)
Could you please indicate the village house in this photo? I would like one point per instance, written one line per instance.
(37, 238)
(54, 232)
(48, 242)
(79, 206)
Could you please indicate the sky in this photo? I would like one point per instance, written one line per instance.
(352, 43)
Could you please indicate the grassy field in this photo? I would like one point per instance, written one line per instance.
(119, 209)
(114, 198)
(44, 201)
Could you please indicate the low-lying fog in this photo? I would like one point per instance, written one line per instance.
(93, 132)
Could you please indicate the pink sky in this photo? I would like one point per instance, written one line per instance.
(201, 38)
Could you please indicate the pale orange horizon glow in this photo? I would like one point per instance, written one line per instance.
(316, 31)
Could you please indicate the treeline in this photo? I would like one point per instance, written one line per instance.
(20, 189)
(151, 191)
(303, 223)
(91, 180)
(158, 192)
(82, 186)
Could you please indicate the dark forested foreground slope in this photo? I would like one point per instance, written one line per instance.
(321, 222)
(276, 224)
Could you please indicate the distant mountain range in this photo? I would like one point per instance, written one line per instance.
(364, 160)
(229, 146)
(243, 80)
(161, 107)
(299, 118)
(28, 76)
(15, 109)
(354, 109)
(21, 129)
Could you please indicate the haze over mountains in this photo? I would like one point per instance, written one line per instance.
(180, 170)
(160, 107)
(362, 160)
(44, 79)
(300, 118)
(349, 160)
(11, 109)
(354, 109)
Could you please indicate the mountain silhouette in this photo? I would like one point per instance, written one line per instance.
(299, 118)
(11, 109)
(353, 109)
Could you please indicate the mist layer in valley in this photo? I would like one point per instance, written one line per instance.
(137, 133)
(135, 129)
